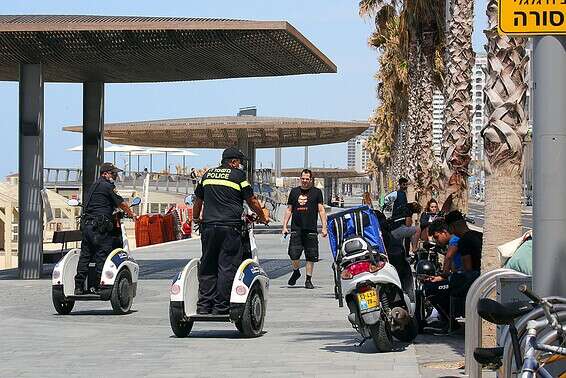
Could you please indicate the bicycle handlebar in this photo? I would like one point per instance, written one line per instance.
(547, 307)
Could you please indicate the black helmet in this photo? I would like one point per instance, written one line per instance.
(425, 267)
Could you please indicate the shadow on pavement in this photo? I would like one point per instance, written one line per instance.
(345, 341)
(229, 333)
(12, 274)
(94, 313)
(167, 269)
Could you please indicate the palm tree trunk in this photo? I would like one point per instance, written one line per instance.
(457, 141)
(503, 135)
(411, 131)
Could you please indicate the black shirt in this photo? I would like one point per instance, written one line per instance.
(223, 191)
(400, 219)
(426, 219)
(470, 244)
(102, 199)
(399, 204)
(304, 206)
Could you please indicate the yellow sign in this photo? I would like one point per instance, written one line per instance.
(532, 17)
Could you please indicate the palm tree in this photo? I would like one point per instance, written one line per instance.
(392, 86)
(418, 28)
(457, 141)
(423, 25)
(503, 134)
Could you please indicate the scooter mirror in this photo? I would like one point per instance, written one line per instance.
(135, 201)
(189, 200)
(73, 202)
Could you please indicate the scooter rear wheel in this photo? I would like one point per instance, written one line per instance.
(62, 305)
(122, 293)
(251, 323)
(381, 335)
(180, 327)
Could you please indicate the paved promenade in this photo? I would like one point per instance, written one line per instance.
(306, 334)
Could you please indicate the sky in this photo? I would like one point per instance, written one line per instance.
(332, 25)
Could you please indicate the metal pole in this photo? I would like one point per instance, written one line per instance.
(150, 162)
(549, 142)
(30, 204)
(306, 157)
(278, 162)
(166, 163)
(93, 132)
(184, 166)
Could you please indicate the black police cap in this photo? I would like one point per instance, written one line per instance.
(233, 153)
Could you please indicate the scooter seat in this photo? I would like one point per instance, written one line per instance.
(502, 314)
(489, 357)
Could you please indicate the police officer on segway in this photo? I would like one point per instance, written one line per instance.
(222, 190)
(97, 225)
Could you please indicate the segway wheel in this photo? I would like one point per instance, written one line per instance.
(251, 323)
(381, 335)
(180, 327)
(62, 306)
(122, 295)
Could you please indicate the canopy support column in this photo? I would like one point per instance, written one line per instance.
(30, 203)
(278, 162)
(93, 132)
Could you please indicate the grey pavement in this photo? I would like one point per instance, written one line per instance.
(306, 333)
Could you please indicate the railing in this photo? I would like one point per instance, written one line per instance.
(159, 181)
(481, 288)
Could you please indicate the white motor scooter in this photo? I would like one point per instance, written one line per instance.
(118, 282)
(379, 309)
(248, 299)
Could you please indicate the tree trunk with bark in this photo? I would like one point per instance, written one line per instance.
(504, 134)
(457, 141)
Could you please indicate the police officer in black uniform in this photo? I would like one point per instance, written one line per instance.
(222, 190)
(97, 225)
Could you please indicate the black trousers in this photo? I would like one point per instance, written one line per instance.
(95, 247)
(221, 256)
(456, 285)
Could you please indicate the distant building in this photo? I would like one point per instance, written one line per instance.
(357, 155)
(437, 121)
(478, 101)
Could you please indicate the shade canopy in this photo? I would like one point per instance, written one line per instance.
(154, 49)
(222, 132)
(184, 153)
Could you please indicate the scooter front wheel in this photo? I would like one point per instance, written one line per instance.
(62, 305)
(381, 335)
(251, 323)
(122, 293)
(180, 327)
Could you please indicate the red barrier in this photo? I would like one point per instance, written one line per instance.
(156, 229)
(169, 228)
(142, 231)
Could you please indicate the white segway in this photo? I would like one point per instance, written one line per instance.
(118, 282)
(247, 301)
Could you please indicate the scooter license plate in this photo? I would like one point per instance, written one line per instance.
(368, 300)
